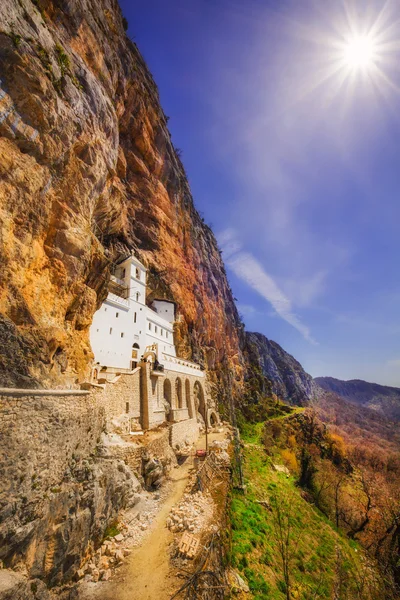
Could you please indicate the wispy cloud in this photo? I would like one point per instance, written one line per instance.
(394, 363)
(250, 311)
(250, 270)
(304, 291)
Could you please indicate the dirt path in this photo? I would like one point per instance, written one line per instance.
(147, 574)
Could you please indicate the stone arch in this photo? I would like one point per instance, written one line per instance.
(199, 400)
(149, 356)
(178, 393)
(188, 399)
(167, 391)
(213, 418)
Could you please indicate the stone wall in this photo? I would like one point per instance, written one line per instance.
(57, 494)
(153, 412)
(133, 454)
(122, 399)
(41, 433)
(185, 432)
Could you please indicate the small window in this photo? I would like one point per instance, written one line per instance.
(150, 326)
(110, 330)
(162, 332)
(156, 329)
(134, 318)
(97, 330)
(122, 334)
(166, 334)
(105, 309)
(137, 273)
(117, 315)
(137, 296)
(127, 407)
(123, 272)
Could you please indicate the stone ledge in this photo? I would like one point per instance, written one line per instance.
(30, 392)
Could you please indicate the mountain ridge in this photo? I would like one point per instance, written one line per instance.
(381, 398)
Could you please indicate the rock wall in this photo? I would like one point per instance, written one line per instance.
(271, 370)
(134, 454)
(57, 492)
(88, 173)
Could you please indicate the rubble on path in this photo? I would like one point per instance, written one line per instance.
(193, 513)
(133, 527)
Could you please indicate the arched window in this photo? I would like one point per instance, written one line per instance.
(187, 398)
(168, 399)
(137, 295)
(178, 393)
(199, 401)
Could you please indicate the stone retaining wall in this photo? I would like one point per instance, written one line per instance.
(132, 454)
(121, 400)
(183, 432)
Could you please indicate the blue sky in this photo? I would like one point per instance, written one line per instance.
(293, 157)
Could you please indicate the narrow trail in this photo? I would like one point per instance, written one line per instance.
(147, 573)
(145, 576)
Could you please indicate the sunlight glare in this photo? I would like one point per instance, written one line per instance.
(360, 52)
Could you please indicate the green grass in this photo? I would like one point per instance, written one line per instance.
(315, 543)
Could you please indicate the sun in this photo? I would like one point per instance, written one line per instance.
(360, 53)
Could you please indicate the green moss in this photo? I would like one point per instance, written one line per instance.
(16, 39)
(111, 530)
(62, 59)
(45, 60)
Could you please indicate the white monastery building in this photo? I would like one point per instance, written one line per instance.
(136, 342)
(124, 328)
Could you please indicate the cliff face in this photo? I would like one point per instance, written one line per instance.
(89, 173)
(381, 398)
(60, 485)
(282, 374)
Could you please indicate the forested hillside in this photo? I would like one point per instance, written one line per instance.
(381, 398)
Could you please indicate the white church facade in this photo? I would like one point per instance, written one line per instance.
(132, 340)
(124, 327)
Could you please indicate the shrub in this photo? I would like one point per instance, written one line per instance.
(290, 460)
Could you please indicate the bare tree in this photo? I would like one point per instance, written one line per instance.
(282, 515)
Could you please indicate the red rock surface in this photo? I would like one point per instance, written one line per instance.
(89, 172)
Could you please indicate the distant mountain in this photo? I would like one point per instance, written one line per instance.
(381, 398)
(286, 376)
